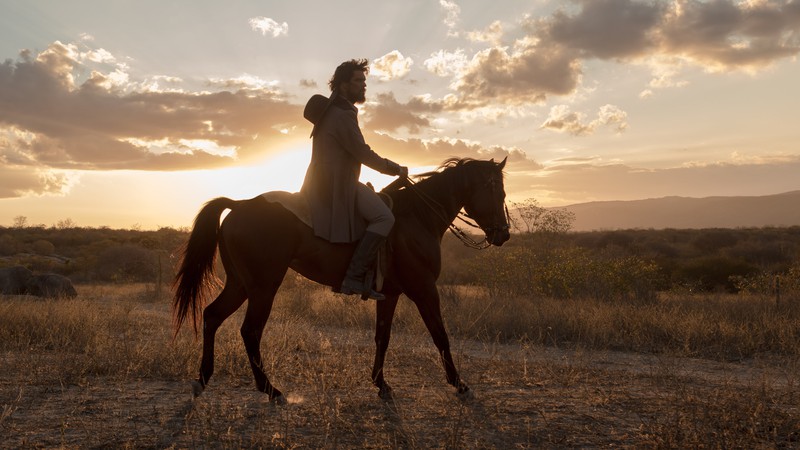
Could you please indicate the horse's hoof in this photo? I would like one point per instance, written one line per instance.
(385, 393)
(197, 389)
(279, 400)
(464, 393)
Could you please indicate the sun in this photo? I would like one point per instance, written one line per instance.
(286, 170)
(281, 171)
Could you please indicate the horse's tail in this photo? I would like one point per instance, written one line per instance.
(196, 274)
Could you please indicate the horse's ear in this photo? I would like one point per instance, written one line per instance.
(502, 163)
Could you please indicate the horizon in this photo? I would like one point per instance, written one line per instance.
(136, 113)
(632, 220)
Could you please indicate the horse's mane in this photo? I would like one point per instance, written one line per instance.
(447, 164)
(405, 199)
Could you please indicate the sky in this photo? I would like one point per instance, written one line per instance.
(132, 114)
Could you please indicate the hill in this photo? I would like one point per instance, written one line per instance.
(684, 212)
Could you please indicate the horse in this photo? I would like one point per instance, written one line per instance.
(259, 241)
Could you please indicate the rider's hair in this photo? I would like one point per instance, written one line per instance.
(345, 71)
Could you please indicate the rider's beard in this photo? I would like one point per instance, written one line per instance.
(360, 97)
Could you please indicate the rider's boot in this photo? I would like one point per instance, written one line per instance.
(355, 281)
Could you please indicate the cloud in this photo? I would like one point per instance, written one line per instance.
(526, 73)
(613, 116)
(720, 34)
(444, 63)
(53, 117)
(308, 83)
(267, 26)
(431, 152)
(99, 55)
(452, 12)
(727, 35)
(391, 66)
(388, 114)
(16, 182)
(245, 81)
(564, 120)
(491, 34)
(605, 29)
(717, 35)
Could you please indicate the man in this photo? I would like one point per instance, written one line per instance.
(339, 202)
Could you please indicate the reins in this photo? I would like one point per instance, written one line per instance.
(437, 208)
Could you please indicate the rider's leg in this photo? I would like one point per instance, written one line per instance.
(380, 221)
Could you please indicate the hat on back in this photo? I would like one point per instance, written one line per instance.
(315, 109)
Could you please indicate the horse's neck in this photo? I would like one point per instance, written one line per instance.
(448, 196)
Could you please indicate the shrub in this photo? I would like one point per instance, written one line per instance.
(126, 263)
(8, 245)
(713, 273)
(566, 272)
(43, 247)
(785, 284)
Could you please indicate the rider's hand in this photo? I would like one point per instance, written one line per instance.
(403, 172)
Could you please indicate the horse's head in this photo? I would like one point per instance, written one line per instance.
(486, 200)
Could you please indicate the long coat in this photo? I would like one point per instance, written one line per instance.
(338, 151)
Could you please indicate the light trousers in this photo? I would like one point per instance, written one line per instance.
(369, 205)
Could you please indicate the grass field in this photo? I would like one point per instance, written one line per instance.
(103, 371)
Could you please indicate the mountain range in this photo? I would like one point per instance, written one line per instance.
(778, 210)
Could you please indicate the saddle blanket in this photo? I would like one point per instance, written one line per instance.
(295, 202)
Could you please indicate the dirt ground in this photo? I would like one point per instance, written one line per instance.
(524, 397)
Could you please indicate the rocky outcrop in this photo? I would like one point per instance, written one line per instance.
(13, 280)
(18, 280)
(50, 285)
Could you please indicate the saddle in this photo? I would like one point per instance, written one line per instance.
(295, 203)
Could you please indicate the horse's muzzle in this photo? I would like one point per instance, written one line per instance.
(498, 235)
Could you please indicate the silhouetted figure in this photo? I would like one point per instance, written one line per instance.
(338, 201)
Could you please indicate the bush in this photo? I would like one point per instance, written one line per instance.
(126, 263)
(8, 245)
(42, 247)
(786, 284)
(566, 272)
(713, 273)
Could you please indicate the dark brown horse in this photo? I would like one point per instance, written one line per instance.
(258, 242)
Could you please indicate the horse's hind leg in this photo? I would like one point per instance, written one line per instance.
(226, 303)
(258, 310)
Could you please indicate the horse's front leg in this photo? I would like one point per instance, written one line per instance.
(428, 304)
(383, 330)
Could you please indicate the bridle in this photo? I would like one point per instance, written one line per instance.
(460, 234)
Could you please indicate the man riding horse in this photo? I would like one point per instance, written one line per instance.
(259, 240)
(340, 205)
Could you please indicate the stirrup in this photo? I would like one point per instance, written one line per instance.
(365, 295)
(368, 292)
(364, 289)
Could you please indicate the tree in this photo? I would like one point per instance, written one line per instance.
(537, 218)
(64, 224)
(20, 222)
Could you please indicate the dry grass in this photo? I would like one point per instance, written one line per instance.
(720, 327)
(103, 370)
